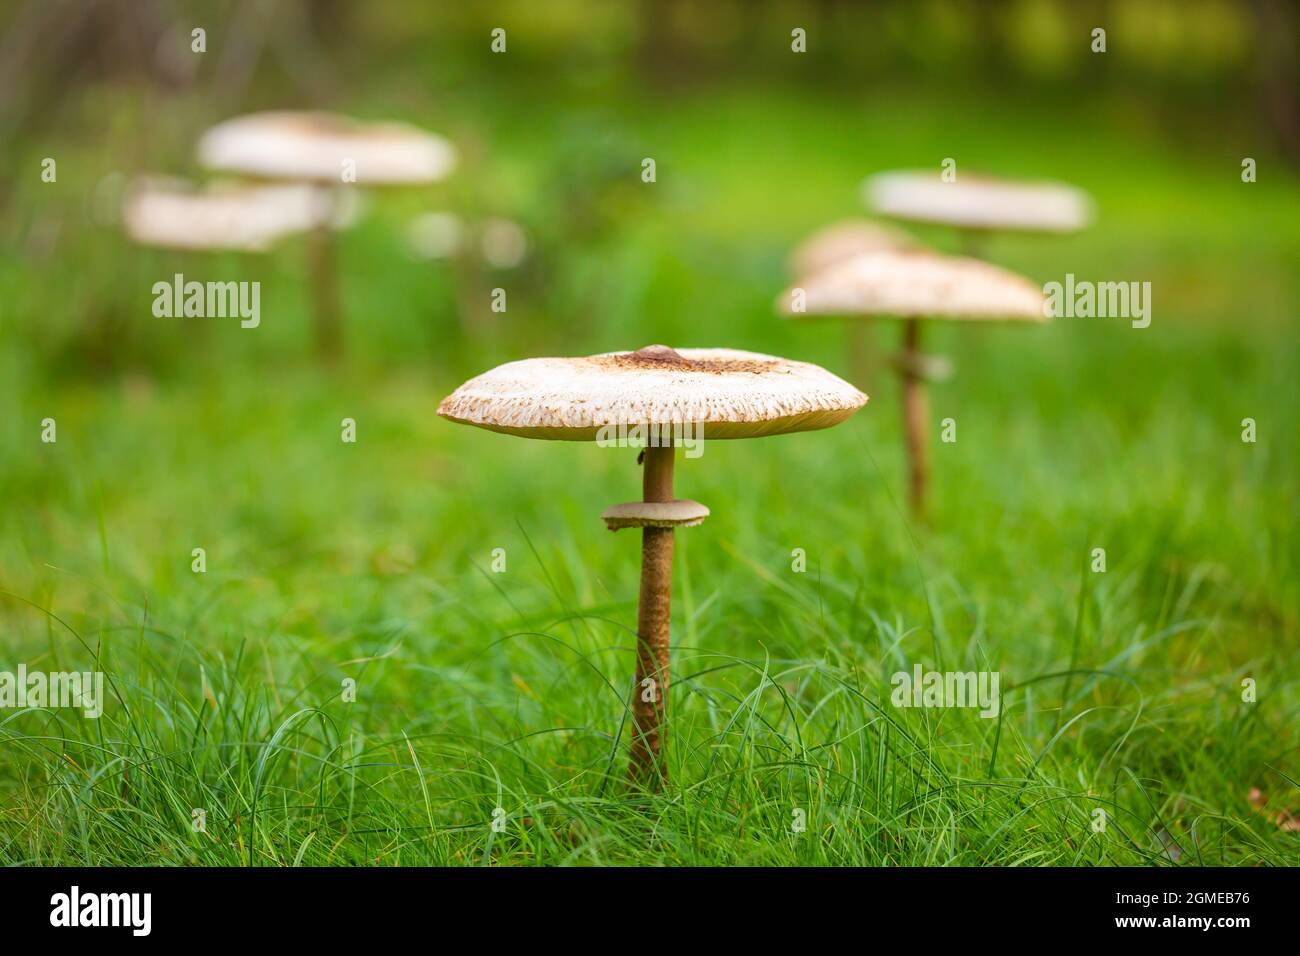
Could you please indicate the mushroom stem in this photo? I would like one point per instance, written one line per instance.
(974, 242)
(862, 351)
(650, 693)
(323, 274)
(916, 420)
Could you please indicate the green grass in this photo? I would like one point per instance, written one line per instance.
(478, 690)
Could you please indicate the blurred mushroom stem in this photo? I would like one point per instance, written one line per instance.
(650, 693)
(973, 243)
(323, 273)
(862, 351)
(916, 418)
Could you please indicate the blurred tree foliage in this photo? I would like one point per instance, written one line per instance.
(1213, 53)
(112, 88)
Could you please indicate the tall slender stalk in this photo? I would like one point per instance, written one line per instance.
(916, 419)
(650, 694)
(322, 267)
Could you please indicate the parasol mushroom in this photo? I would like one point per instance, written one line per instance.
(978, 204)
(843, 240)
(660, 395)
(327, 151)
(173, 214)
(835, 243)
(916, 285)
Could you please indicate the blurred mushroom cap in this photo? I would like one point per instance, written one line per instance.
(174, 214)
(844, 240)
(504, 243)
(979, 202)
(916, 285)
(322, 146)
(435, 235)
(730, 394)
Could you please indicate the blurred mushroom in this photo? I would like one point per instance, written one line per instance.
(978, 204)
(662, 398)
(504, 243)
(174, 214)
(435, 235)
(319, 147)
(834, 244)
(843, 240)
(914, 286)
(330, 151)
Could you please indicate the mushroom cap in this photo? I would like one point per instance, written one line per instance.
(315, 146)
(726, 393)
(979, 202)
(843, 240)
(173, 214)
(917, 285)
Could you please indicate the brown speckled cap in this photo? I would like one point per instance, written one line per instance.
(315, 146)
(916, 285)
(731, 394)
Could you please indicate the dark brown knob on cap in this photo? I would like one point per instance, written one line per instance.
(659, 353)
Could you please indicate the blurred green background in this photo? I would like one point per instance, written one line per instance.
(479, 690)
